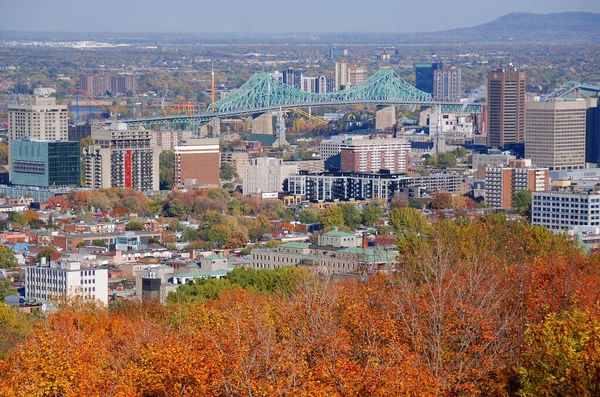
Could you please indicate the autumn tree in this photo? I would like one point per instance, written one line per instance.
(407, 220)
(333, 217)
(134, 225)
(441, 200)
(309, 216)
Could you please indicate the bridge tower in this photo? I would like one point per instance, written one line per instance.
(262, 123)
(385, 117)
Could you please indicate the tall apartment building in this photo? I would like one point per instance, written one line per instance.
(66, 277)
(506, 107)
(38, 118)
(424, 76)
(101, 84)
(566, 210)
(501, 183)
(238, 158)
(198, 160)
(366, 155)
(374, 155)
(340, 75)
(168, 139)
(266, 175)
(122, 158)
(356, 75)
(292, 78)
(447, 84)
(309, 84)
(326, 84)
(45, 163)
(330, 150)
(556, 133)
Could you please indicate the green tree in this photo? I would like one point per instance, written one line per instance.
(522, 202)
(190, 234)
(446, 160)
(134, 225)
(333, 217)
(428, 160)
(7, 258)
(414, 203)
(309, 216)
(219, 234)
(459, 152)
(99, 243)
(228, 172)
(45, 253)
(352, 216)
(408, 220)
(166, 170)
(371, 214)
(6, 289)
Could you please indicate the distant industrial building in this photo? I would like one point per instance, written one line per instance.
(199, 161)
(447, 85)
(506, 107)
(556, 133)
(38, 118)
(266, 175)
(122, 158)
(44, 163)
(424, 76)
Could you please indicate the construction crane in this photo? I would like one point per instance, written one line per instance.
(12, 99)
(105, 112)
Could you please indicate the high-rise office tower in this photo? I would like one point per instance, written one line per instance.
(592, 135)
(121, 157)
(447, 84)
(356, 75)
(424, 75)
(341, 75)
(506, 107)
(556, 133)
(38, 118)
(292, 78)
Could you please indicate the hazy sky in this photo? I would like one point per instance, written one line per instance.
(266, 16)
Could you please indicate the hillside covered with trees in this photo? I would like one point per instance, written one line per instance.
(483, 308)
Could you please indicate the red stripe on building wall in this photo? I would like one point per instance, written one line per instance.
(128, 173)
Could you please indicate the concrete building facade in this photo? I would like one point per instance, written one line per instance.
(566, 210)
(266, 175)
(556, 133)
(374, 155)
(506, 107)
(38, 118)
(66, 277)
(447, 84)
(238, 158)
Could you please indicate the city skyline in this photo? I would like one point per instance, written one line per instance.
(263, 17)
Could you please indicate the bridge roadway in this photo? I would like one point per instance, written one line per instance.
(204, 117)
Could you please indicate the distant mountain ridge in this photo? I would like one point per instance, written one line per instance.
(565, 26)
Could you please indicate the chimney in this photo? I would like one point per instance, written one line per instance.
(365, 241)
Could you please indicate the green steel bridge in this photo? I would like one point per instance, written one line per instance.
(262, 93)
